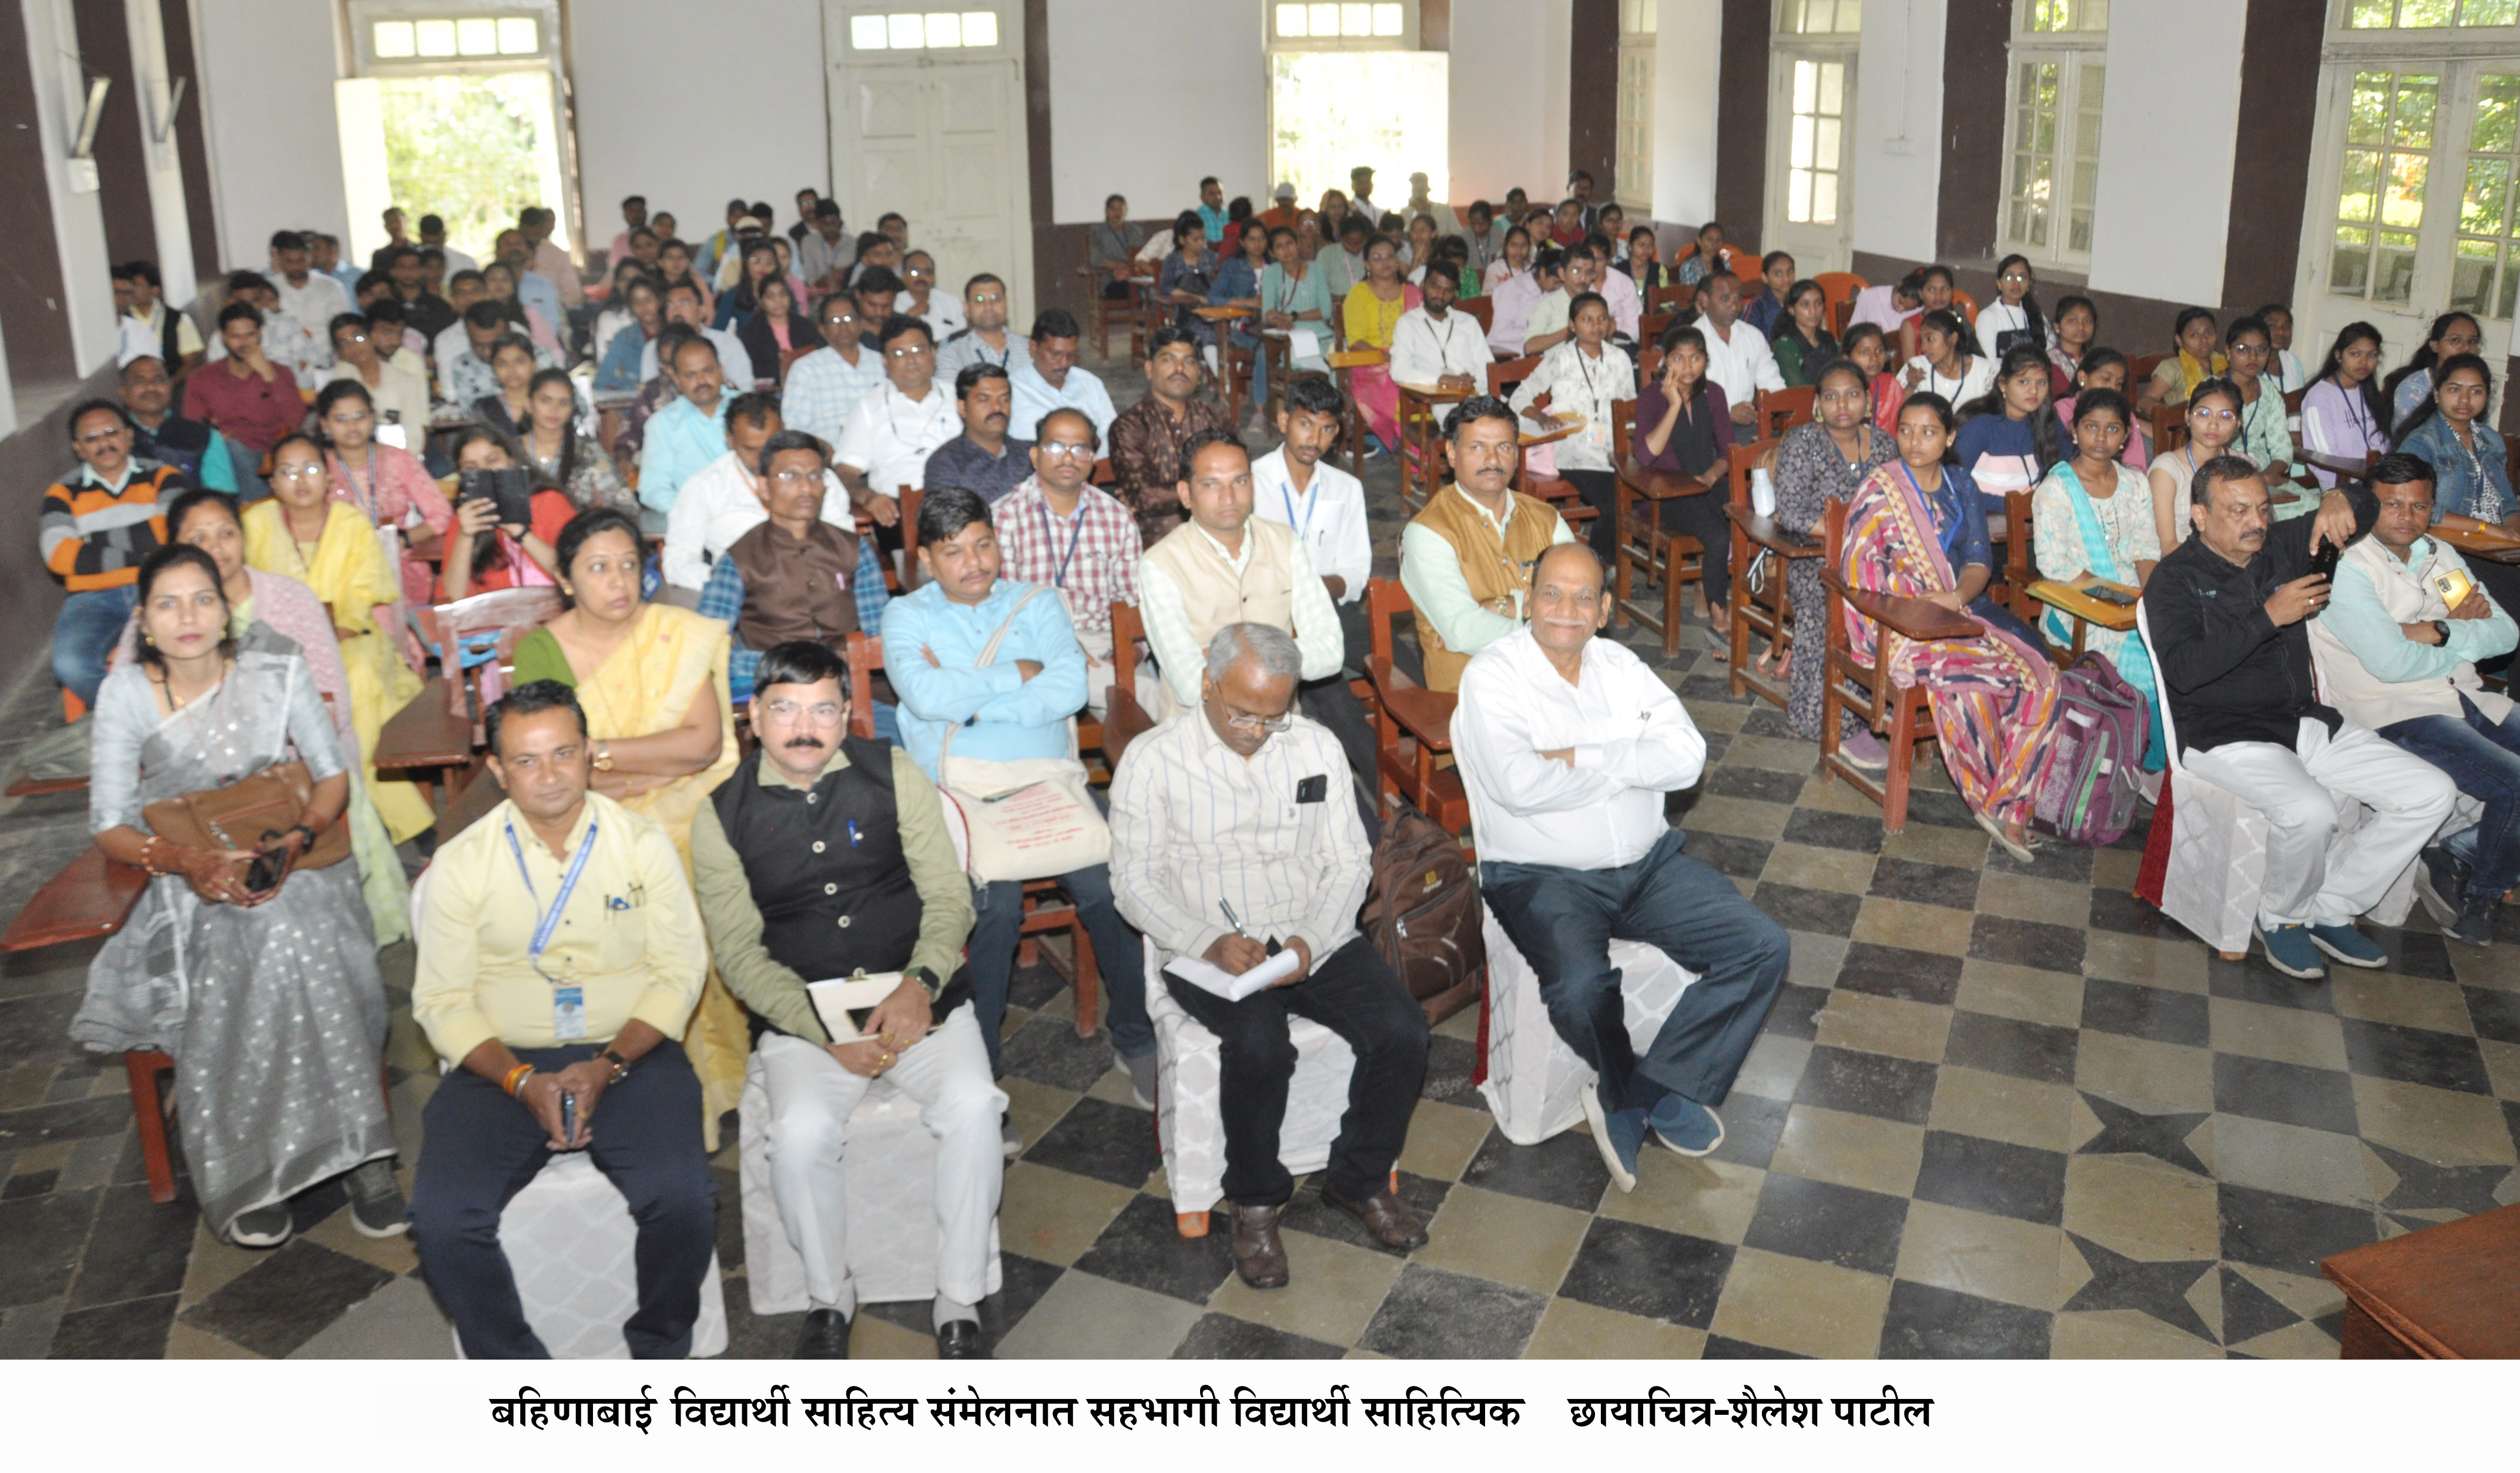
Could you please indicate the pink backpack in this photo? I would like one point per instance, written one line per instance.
(2088, 791)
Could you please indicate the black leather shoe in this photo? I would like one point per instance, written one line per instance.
(959, 1340)
(825, 1337)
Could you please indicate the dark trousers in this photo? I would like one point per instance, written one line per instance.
(2483, 757)
(1563, 921)
(1601, 492)
(479, 1149)
(1702, 516)
(996, 928)
(1353, 993)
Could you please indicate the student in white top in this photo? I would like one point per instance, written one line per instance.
(891, 431)
(1584, 377)
(1946, 362)
(1567, 745)
(1738, 360)
(1325, 506)
(2013, 316)
(1434, 345)
(723, 500)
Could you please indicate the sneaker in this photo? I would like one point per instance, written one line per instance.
(1686, 1126)
(1141, 1079)
(2441, 883)
(376, 1207)
(1009, 1140)
(2289, 951)
(2349, 946)
(1866, 751)
(2475, 923)
(1609, 1131)
(265, 1227)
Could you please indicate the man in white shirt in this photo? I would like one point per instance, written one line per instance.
(922, 298)
(1738, 360)
(683, 306)
(1566, 745)
(722, 500)
(893, 432)
(1228, 842)
(432, 236)
(1359, 195)
(1050, 378)
(1323, 505)
(1432, 343)
(986, 339)
(308, 296)
(1517, 298)
(825, 384)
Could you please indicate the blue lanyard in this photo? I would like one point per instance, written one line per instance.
(1311, 504)
(1077, 529)
(548, 920)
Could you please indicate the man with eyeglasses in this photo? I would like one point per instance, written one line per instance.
(923, 298)
(1567, 745)
(1052, 379)
(1467, 560)
(795, 574)
(825, 384)
(725, 499)
(400, 396)
(884, 445)
(986, 339)
(995, 665)
(1230, 844)
(1059, 529)
(95, 528)
(826, 857)
(984, 458)
(160, 435)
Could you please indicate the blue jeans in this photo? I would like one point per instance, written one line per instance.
(248, 465)
(1563, 921)
(84, 636)
(2483, 757)
(998, 926)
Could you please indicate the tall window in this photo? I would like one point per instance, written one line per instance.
(2052, 143)
(2380, 196)
(2485, 267)
(1637, 22)
(1812, 73)
(1348, 86)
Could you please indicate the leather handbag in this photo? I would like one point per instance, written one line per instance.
(246, 812)
(1027, 820)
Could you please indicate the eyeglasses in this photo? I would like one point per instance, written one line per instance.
(1058, 452)
(918, 274)
(1270, 724)
(913, 350)
(822, 713)
(795, 478)
(101, 437)
(298, 473)
(844, 320)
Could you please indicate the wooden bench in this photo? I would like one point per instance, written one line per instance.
(2446, 1293)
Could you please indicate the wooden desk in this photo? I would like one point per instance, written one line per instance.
(2443, 1293)
(427, 740)
(2074, 599)
(1917, 619)
(1221, 319)
(1417, 427)
(1752, 530)
(2491, 546)
(90, 898)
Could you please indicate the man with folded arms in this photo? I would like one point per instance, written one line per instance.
(1228, 840)
(828, 856)
(559, 954)
(2225, 614)
(2398, 655)
(1567, 745)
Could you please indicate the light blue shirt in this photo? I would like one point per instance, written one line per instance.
(1003, 717)
(536, 290)
(1035, 397)
(680, 441)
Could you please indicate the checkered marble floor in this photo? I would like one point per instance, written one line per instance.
(1999, 1110)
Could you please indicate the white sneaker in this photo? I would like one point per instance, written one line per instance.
(1011, 1142)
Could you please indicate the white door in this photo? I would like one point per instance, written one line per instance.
(1810, 197)
(927, 120)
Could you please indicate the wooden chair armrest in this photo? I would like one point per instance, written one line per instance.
(1764, 531)
(1915, 618)
(29, 788)
(425, 734)
(2079, 603)
(91, 897)
(1659, 485)
(1124, 721)
(1427, 715)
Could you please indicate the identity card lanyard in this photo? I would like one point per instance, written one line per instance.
(1075, 529)
(569, 1001)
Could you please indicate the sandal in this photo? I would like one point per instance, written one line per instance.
(2018, 848)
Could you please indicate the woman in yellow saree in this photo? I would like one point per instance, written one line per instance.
(650, 677)
(332, 548)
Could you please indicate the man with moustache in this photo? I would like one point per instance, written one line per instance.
(983, 458)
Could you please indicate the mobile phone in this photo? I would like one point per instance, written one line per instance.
(267, 869)
(2103, 594)
(567, 1116)
(2323, 562)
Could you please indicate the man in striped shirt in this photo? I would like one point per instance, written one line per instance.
(96, 527)
(1231, 840)
(1055, 528)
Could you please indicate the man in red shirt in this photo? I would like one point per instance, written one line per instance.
(244, 396)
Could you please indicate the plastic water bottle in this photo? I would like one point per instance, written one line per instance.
(1763, 491)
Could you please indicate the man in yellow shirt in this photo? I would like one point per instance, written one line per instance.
(561, 955)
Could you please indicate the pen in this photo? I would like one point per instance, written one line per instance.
(1232, 919)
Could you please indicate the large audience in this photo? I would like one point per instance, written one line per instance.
(728, 455)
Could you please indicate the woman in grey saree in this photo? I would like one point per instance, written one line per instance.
(271, 1006)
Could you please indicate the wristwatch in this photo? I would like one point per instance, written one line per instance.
(927, 980)
(620, 1065)
(2443, 629)
(604, 756)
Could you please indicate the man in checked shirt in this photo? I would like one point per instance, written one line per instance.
(1053, 528)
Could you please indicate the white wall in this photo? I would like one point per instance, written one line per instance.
(1148, 97)
(1508, 99)
(1898, 128)
(1687, 71)
(2173, 112)
(691, 105)
(78, 219)
(265, 91)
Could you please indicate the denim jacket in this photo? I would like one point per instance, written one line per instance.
(2456, 486)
